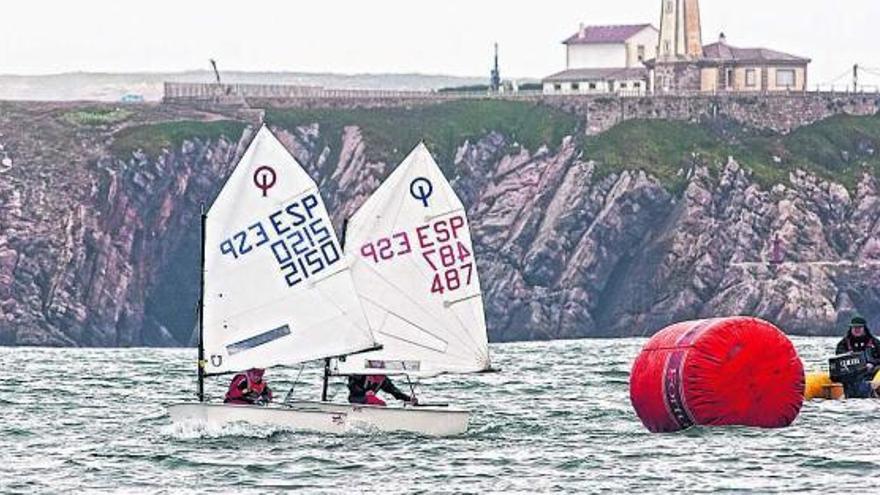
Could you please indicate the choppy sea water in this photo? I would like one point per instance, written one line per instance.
(557, 419)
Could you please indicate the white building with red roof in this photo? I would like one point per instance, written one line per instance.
(606, 59)
(637, 59)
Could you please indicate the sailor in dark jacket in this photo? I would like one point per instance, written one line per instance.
(859, 339)
(362, 389)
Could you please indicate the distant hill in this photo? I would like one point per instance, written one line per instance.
(111, 87)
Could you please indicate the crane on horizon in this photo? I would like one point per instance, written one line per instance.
(222, 89)
(216, 71)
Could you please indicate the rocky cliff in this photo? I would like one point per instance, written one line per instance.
(613, 235)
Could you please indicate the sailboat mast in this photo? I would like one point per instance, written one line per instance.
(326, 380)
(344, 231)
(202, 311)
(327, 361)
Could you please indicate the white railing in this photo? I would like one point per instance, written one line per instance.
(195, 91)
(215, 92)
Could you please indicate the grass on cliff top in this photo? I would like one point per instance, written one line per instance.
(152, 139)
(660, 148)
(391, 133)
(96, 116)
(840, 149)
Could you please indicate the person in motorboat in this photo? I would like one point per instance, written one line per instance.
(362, 389)
(859, 339)
(249, 388)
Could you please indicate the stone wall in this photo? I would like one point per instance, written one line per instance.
(780, 113)
(777, 112)
(677, 77)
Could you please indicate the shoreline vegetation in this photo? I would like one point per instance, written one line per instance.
(840, 148)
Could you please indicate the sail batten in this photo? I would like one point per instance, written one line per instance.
(278, 290)
(414, 267)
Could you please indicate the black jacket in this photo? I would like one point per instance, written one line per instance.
(867, 343)
(358, 388)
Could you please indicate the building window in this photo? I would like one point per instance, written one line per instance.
(641, 51)
(751, 78)
(576, 86)
(557, 87)
(592, 85)
(669, 6)
(637, 85)
(785, 78)
(730, 76)
(624, 85)
(667, 48)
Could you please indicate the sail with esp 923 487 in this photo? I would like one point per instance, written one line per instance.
(414, 268)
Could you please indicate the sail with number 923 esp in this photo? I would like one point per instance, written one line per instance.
(278, 289)
(414, 268)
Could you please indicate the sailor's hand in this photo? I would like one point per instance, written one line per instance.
(870, 366)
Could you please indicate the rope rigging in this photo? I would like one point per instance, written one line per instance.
(289, 396)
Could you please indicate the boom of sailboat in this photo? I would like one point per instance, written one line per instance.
(278, 289)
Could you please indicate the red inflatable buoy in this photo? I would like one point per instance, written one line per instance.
(720, 372)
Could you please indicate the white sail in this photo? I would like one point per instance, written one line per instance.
(413, 265)
(278, 290)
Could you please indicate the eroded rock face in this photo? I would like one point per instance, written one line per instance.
(108, 271)
(110, 257)
(564, 253)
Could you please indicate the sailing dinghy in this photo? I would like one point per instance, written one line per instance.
(277, 291)
(412, 261)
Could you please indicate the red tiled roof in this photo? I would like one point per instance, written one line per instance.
(606, 34)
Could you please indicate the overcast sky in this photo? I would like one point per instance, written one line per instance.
(436, 37)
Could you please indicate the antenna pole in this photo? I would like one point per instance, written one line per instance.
(202, 311)
(856, 78)
(495, 79)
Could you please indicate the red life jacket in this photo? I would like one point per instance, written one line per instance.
(236, 395)
(374, 382)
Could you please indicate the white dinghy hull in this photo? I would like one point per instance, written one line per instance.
(325, 417)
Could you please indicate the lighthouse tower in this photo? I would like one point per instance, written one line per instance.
(680, 49)
(680, 32)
